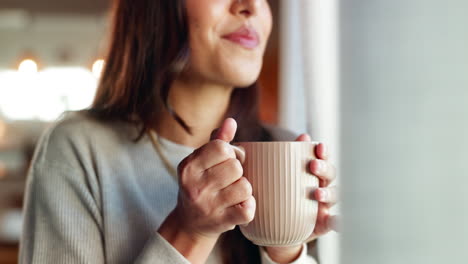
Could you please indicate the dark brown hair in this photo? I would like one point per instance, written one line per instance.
(148, 43)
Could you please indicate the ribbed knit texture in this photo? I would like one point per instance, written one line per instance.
(95, 196)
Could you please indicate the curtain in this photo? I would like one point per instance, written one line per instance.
(309, 83)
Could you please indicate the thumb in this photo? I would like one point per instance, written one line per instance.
(226, 132)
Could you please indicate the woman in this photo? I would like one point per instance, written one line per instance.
(103, 187)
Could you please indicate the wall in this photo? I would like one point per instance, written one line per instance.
(404, 126)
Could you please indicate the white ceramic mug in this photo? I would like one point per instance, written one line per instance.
(282, 182)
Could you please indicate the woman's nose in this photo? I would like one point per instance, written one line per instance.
(246, 7)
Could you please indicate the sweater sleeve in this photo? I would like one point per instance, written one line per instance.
(304, 258)
(158, 250)
(62, 222)
(63, 214)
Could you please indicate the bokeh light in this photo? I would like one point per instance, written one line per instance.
(98, 66)
(45, 95)
(28, 66)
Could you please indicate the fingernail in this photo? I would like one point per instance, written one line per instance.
(323, 195)
(320, 166)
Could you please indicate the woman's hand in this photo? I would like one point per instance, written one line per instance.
(325, 195)
(213, 198)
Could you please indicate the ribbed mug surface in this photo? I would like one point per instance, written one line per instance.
(281, 182)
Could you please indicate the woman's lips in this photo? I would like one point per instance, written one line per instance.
(244, 36)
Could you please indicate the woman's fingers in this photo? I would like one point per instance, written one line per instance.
(324, 170)
(324, 224)
(320, 166)
(242, 213)
(328, 195)
(325, 221)
(227, 131)
(333, 223)
(222, 175)
(321, 226)
(212, 154)
(321, 151)
(303, 137)
(236, 193)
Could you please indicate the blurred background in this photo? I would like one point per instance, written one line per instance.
(51, 55)
(384, 83)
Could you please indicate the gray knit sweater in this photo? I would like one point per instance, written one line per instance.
(95, 196)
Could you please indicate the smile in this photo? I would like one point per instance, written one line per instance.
(245, 37)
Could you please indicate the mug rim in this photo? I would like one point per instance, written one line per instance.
(269, 142)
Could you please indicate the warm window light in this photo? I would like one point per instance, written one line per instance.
(3, 170)
(97, 68)
(28, 66)
(45, 95)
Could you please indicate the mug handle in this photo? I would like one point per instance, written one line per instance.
(240, 153)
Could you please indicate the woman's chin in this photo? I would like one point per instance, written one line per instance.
(243, 83)
(245, 79)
